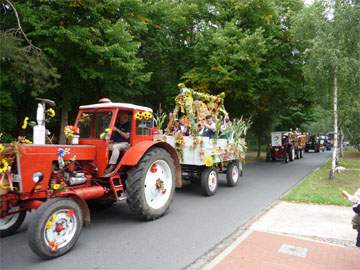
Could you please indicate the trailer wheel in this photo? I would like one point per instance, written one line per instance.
(233, 174)
(150, 185)
(55, 228)
(209, 181)
(10, 224)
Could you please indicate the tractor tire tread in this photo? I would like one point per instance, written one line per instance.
(135, 198)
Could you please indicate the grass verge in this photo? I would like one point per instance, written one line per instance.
(318, 189)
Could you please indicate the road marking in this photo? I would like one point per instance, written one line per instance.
(293, 250)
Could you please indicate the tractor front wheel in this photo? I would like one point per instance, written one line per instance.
(150, 185)
(10, 224)
(55, 227)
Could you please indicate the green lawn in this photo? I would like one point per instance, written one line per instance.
(318, 189)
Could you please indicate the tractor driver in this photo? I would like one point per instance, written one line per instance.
(120, 140)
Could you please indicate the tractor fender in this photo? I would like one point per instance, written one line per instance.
(137, 151)
(83, 206)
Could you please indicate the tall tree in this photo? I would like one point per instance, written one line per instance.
(332, 55)
(91, 45)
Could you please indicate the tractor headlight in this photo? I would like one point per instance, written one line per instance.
(37, 176)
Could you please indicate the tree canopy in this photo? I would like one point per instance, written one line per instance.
(264, 54)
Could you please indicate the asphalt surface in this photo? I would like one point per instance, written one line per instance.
(192, 227)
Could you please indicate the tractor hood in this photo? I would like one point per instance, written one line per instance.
(33, 159)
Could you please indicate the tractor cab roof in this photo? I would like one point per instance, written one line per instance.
(107, 105)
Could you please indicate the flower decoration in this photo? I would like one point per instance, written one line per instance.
(50, 112)
(104, 134)
(23, 139)
(208, 161)
(57, 186)
(25, 123)
(53, 245)
(179, 143)
(84, 119)
(70, 131)
(4, 165)
(139, 116)
(146, 116)
(2, 148)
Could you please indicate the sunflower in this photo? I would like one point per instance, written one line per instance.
(51, 113)
(139, 116)
(22, 139)
(208, 161)
(2, 148)
(4, 165)
(25, 123)
(146, 115)
(105, 133)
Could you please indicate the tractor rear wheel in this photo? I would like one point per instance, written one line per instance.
(55, 227)
(150, 185)
(209, 181)
(10, 224)
(233, 174)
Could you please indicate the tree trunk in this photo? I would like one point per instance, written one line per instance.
(341, 153)
(64, 122)
(258, 147)
(335, 148)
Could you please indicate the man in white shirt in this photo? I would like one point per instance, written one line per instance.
(209, 127)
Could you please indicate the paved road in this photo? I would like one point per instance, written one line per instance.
(194, 224)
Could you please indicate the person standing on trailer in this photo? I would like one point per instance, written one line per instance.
(209, 127)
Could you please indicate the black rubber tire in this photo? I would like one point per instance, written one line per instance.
(291, 156)
(286, 158)
(135, 182)
(13, 228)
(230, 181)
(38, 223)
(205, 190)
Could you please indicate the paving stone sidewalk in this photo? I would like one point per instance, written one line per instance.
(295, 236)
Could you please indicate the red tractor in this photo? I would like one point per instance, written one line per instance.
(282, 146)
(59, 180)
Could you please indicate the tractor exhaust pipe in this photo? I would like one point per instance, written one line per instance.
(88, 193)
(39, 131)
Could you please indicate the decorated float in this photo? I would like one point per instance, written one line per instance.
(203, 157)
